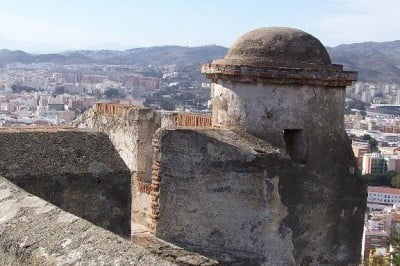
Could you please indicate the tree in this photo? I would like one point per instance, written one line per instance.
(112, 93)
(363, 113)
(383, 179)
(396, 181)
(59, 90)
(18, 88)
(373, 145)
(378, 261)
(366, 137)
(167, 105)
(395, 242)
(356, 104)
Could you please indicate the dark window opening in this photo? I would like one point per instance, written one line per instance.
(296, 145)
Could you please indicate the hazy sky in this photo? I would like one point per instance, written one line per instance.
(79, 24)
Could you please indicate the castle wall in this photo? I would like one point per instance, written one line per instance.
(76, 170)
(35, 232)
(216, 193)
(130, 129)
(325, 196)
(219, 191)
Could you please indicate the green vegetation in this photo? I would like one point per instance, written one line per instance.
(112, 93)
(389, 179)
(396, 181)
(58, 91)
(150, 72)
(384, 179)
(373, 143)
(19, 88)
(366, 137)
(356, 104)
(170, 99)
(395, 242)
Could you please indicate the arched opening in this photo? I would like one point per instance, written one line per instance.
(296, 145)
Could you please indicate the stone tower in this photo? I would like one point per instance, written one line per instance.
(275, 79)
(279, 85)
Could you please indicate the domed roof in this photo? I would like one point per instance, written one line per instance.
(279, 55)
(277, 46)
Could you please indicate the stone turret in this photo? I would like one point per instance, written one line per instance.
(275, 79)
(279, 84)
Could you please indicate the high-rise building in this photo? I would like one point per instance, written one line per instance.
(398, 96)
(366, 96)
(374, 163)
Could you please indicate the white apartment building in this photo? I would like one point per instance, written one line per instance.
(379, 197)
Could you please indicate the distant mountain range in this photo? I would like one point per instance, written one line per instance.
(157, 55)
(374, 61)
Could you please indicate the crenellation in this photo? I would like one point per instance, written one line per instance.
(39, 233)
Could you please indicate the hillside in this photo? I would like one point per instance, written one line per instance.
(374, 61)
(158, 55)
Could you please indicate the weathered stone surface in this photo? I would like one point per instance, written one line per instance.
(78, 171)
(278, 85)
(131, 129)
(334, 77)
(240, 196)
(219, 195)
(279, 55)
(35, 232)
(265, 110)
(278, 46)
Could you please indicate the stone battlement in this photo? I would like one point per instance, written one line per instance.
(120, 110)
(74, 169)
(193, 120)
(36, 232)
(178, 118)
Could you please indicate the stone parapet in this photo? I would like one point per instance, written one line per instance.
(193, 120)
(79, 171)
(123, 111)
(216, 192)
(35, 232)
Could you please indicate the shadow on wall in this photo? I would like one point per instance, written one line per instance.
(296, 145)
(79, 172)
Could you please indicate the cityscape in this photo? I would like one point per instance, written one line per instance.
(34, 95)
(45, 95)
(176, 141)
